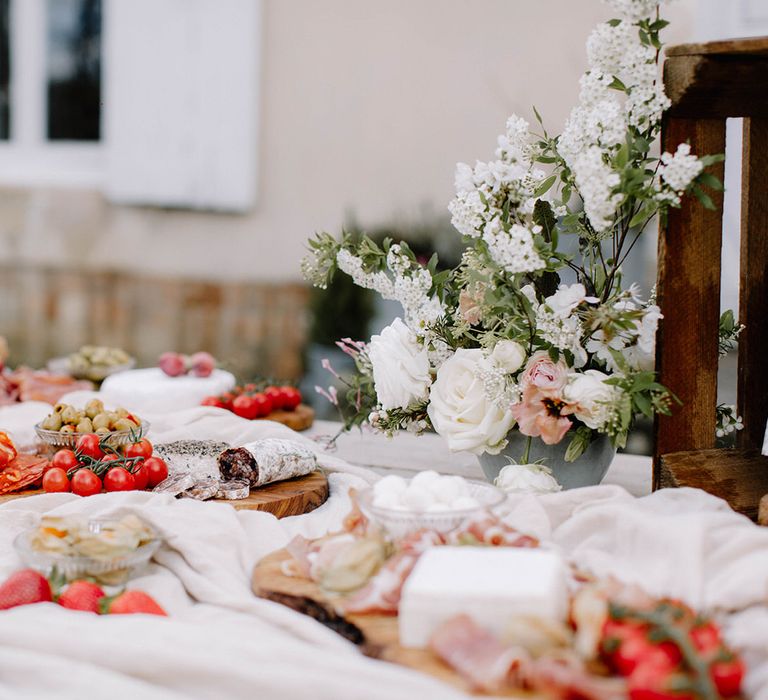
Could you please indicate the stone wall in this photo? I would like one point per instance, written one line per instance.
(253, 329)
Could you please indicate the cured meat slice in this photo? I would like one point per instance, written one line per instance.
(382, 593)
(488, 529)
(479, 657)
(23, 471)
(265, 461)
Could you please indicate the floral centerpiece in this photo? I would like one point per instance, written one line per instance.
(534, 331)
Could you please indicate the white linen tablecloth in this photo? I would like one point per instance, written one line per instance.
(220, 641)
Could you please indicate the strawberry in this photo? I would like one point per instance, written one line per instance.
(133, 602)
(24, 587)
(82, 595)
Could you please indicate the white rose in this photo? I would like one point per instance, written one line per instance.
(509, 355)
(400, 367)
(460, 410)
(589, 396)
(527, 478)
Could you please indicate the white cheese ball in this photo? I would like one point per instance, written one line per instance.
(388, 499)
(417, 498)
(438, 508)
(447, 490)
(390, 484)
(426, 479)
(464, 502)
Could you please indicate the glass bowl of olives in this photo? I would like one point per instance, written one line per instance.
(93, 362)
(66, 424)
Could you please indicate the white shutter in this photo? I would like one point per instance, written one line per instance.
(181, 102)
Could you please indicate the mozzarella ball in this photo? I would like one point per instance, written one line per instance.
(390, 484)
(387, 499)
(446, 490)
(437, 507)
(464, 503)
(425, 479)
(418, 498)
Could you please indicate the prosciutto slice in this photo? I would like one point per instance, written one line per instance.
(382, 593)
(479, 657)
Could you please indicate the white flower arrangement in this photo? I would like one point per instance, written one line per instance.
(522, 335)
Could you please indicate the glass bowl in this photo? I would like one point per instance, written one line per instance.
(110, 571)
(94, 373)
(401, 522)
(56, 439)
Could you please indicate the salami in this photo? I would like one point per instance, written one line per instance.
(265, 461)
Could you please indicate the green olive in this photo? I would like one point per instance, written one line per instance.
(101, 421)
(59, 407)
(85, 426)
(121, 412)
(67, 429)
(70, 415)
(52, 422)
(124, 424)
(93, 408)
(102, 431)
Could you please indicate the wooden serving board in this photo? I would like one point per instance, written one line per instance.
(283, 498)
(301, 418)
(376, 635)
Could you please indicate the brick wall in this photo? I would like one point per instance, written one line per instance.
(253, 329)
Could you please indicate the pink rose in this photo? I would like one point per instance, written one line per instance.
(547, 376)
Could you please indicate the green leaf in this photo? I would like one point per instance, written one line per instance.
(704, 198)
(711, 181)
(545, 185)
(578, 444)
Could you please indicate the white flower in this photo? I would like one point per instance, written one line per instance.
(460, 410)
(509, 355)
(680, 169)
(591, 398)
(596, 181)
(567, 298)
(527, 478)
(634, 10)
(601, 348)
(512, 250)
(400, 367)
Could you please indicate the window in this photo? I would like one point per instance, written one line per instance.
(5, 72)
(73, 57)
(153, 102)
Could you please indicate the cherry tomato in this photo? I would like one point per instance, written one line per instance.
(56, 481)
(212, 401)
(157, 471)
(142, 448)
(264, 404)
(119, 479)
(291, 397)
(85, 483)
(109, 458)
(64, 459)
(638, 651)
(276, 395)
(88, 445)
(650, 682)
(727, 676)
(706, 638)
(250, 388)
(226, 400)
(140, 476)
(246, 407)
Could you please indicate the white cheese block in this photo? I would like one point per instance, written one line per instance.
(490, 584)
(153, 391)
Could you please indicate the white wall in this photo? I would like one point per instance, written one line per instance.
(366, 107)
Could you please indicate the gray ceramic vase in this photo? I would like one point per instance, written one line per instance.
(587, 470)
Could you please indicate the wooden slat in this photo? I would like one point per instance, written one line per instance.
(752, 46)
(753, 289)
(689, 297)
(717, 86)
(738, 476)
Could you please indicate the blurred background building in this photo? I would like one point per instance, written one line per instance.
(162, 162)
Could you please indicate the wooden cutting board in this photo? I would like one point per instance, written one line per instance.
(376, 635)
(301, 418)
(283, 498)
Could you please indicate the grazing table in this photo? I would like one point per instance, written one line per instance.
(221, 641)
